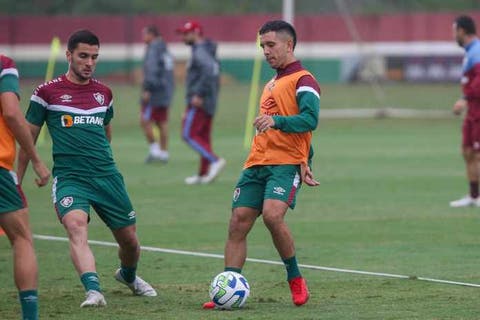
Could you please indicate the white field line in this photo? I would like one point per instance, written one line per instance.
(306, 266)
(368, 113)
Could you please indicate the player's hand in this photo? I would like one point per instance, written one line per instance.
(459, 106)
(146, 97)
(43, 173)
(307, 176)
(263, 123)
(196, 101)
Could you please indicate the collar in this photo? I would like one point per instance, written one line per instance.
(289, 69)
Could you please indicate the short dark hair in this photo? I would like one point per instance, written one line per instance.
(152, 30)
(82, 36)
(279, 25)
(466, 23)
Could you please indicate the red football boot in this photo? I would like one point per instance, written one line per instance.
(299, 290)
(209, 305)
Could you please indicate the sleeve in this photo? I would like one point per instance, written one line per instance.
(308, 101)
(108, 114)
(153, 67)
(9, 77)
(208, 70)
(37, 110)
(472, 89)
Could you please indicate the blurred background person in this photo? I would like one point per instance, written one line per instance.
(202, 86)
(158, 87)
(465, 35)
(14, 217)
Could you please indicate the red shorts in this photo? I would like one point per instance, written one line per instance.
(155, 114)
(471, 134)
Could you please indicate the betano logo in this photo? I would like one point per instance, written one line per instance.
(68, 121)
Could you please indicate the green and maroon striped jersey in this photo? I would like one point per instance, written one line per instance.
(75, 116)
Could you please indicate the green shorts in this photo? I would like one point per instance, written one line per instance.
(106, 195)
(280, 182)
(11, 195)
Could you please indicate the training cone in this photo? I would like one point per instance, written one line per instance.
(2, 233)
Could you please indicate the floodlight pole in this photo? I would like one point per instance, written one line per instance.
(288, 10)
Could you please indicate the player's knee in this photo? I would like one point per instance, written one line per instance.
(129, 243)
(239, 223)
(271, 220)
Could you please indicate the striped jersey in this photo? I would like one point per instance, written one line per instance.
(8, 83)
(75, 116)
(292, 98)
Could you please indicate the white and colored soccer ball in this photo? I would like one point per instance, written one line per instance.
(229, 290)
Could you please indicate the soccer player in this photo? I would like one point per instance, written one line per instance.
(158, 86)
(465, 34)
(13, 206)
(203, 81)
(279, 159)
(77, 110)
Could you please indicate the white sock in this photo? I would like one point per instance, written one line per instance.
(154, 148)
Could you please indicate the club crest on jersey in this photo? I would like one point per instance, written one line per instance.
(99, 97)
(236, 194)
(271, 85)
(66, 202)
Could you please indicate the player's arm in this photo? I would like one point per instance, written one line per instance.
(208, 67)
(24, 158)
(108, 132)
(472, 90)
(153, 68)
(16, 122)
(308, 101)
(108, 117)
(35, 118)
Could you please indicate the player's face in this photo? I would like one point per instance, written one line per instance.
(277, 48)
(458, 35)
(82, 61)
(147, 36)
(189, 38)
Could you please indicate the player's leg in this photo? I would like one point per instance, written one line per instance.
(114, 207)
(71, 200)
(75, 223)
(129, 254)
(241, 222)
(246, 204)
(14, 221)
(470, 146)
(193, 135)
(218, 164)
(147, 128)
(161, 121)
(281, 190)
(25, 270)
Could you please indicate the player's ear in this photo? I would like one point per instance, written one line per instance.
(290, 45)
(68, 54)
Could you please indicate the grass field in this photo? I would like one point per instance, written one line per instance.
(382, 206)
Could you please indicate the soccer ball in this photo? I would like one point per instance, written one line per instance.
(229, 290)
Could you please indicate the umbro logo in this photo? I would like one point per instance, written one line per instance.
(279, 190)
(66, 98)
(132, 215)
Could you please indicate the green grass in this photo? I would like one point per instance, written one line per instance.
(382, 206)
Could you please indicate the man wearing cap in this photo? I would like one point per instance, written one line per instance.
(202, 85)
